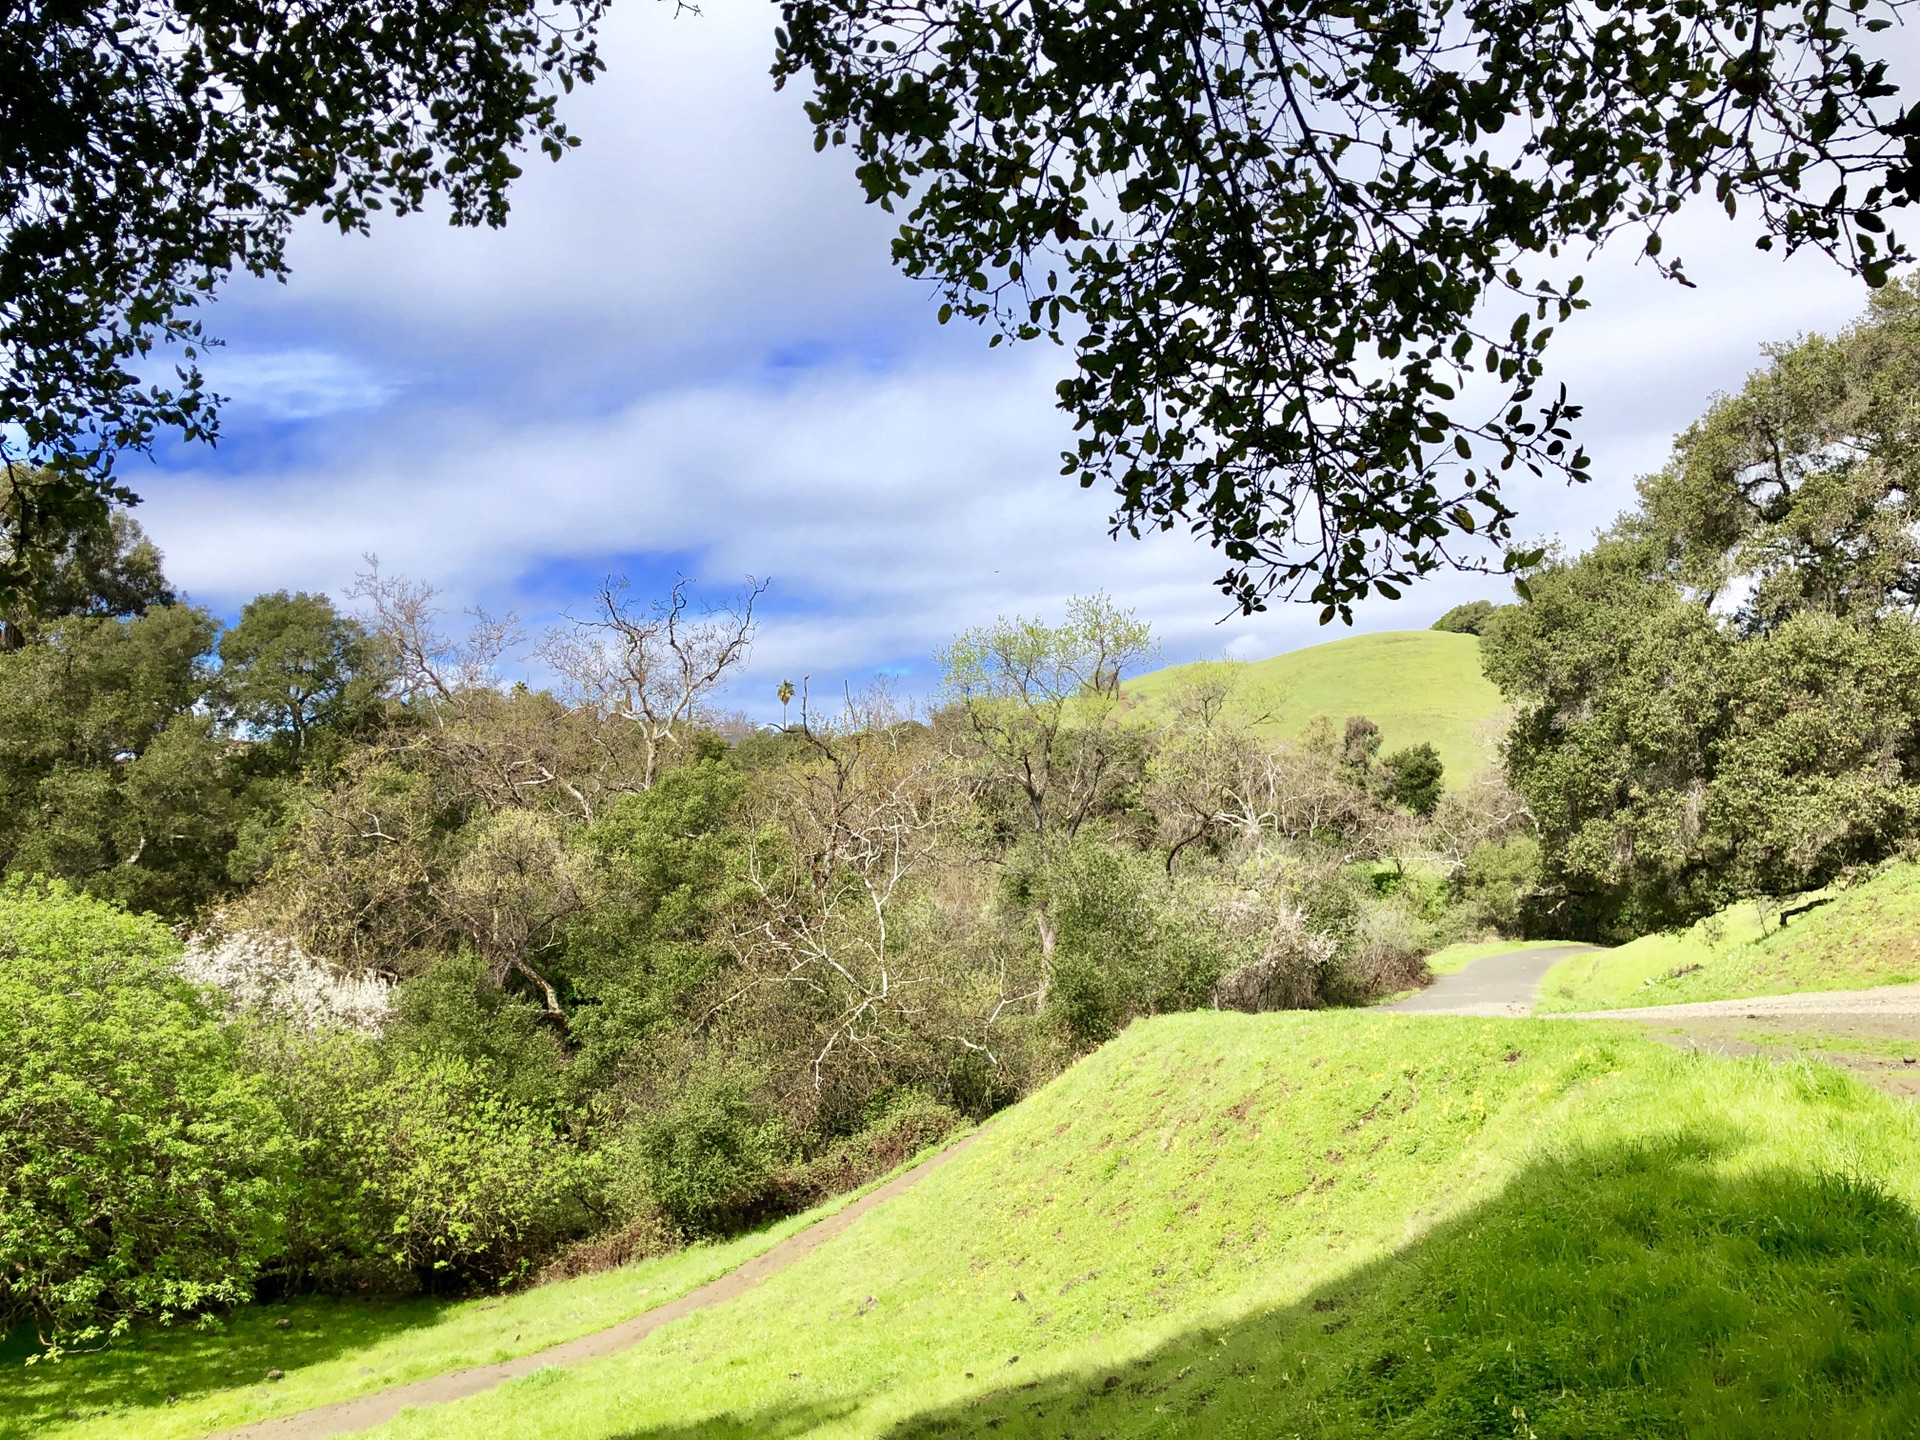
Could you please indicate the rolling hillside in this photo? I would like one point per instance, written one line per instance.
(1852, 939)
(1414, 684)
(1333, 1223)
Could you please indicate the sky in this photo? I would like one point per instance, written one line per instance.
(688, 354)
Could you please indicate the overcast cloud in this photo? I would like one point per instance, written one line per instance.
(688, 352)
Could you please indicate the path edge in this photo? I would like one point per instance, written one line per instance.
(363, 1412)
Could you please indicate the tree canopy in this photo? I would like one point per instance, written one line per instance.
(1286, 239)
(1719, 699)
(151, 148)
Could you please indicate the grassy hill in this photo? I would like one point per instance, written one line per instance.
(1414, 684)
(1851, 940)
(1338, 1224)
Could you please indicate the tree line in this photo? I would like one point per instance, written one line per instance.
(652, 972)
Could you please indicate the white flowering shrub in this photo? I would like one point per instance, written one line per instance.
(273, 976)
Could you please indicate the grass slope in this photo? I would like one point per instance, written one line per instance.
(1414, 684)
(332, 1349)
(1852, 940)
(1335, 1224)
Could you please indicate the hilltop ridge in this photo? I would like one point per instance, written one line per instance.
(1414, 684)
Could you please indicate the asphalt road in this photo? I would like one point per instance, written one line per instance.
(1497, 985)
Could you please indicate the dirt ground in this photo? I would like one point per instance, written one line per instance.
(1882, 1050)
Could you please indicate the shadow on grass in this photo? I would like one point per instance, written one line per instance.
(183, 1361)
(1620, 1291)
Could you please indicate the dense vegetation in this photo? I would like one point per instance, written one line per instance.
(655, 974)
(1720, 699)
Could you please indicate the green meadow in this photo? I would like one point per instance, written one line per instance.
(192, 1380)
(1343, 1223)
(1414, 684)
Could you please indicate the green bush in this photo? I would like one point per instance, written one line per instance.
(902, 1124)
(1497, 881)
(141, 1174)
(452, 1009)
(1418, 777)
(417, 1172)
(706, 1158)
(1123, 947)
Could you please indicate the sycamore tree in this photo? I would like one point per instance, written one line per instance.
(1720, 699)
(1310, 255)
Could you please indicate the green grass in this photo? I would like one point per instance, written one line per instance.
(332, 1349)
(1458, 957)
(1857, 939)
(1334, 1224)
(1414, 684)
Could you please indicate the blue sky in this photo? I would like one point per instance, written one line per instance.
(688, 353)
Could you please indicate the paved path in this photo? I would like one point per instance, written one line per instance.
(363, 1412)
(1498, 985)
(1808, 1004)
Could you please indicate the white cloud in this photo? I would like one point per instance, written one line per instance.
(300, 384)
(689, 347)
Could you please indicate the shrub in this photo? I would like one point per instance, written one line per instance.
(1497, 880)
(140, 1173)
(417, 1172)
(1418, 777)
(1123, 947)
(452, 1009)
(1281, 961)
(904, 1125)
(705, 1158)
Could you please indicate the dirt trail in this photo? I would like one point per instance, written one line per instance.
(363, 1412)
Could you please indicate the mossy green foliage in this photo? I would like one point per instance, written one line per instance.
(1331, 1224)
(1849, 940)
(1416, 685)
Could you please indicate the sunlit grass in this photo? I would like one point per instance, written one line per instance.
(1333, 1224)
(330, 1349)
(1863, 937)
(1414, 684)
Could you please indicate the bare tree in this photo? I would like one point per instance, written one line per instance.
(509, 745)
(839, 838)
(653, 667)
(1202, 750)
(512, 886)
(1485, 810)
(1298, 792)
(427, 661)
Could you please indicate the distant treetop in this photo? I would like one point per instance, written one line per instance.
(1468, 619)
